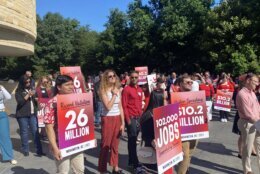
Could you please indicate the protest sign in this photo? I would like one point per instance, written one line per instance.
(78, 79)
(75, 123)
(167, 136)
(151, 79)
(192, 113)
(223, 101)
(143, 72)
(209, 109)
(42, 103)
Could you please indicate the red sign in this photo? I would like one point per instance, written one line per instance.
(78, 79)
(42, 103)
(75, 123)
(223, 100)
(192, 113)
(143, 72)
(168, 137)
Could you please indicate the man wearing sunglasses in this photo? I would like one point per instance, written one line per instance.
(132, 105)
(189, 146)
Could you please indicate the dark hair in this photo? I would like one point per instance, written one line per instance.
(156, 99)
(159, 80)
(61, 79)
(22, 80)
(134, 71)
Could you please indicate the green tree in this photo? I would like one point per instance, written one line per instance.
(231, 39)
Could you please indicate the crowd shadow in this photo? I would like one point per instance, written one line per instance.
(216, 148)
(45, 146)
(213, 166)
(21, 170)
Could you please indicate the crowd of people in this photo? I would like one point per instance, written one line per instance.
(120, 104)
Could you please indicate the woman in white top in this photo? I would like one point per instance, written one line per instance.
(112, 121)
(6, 147)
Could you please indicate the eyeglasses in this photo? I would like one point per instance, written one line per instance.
(26, 82)
(112, 76)
(188, 82)
(134, 77)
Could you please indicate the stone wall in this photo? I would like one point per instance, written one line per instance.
(17, 27)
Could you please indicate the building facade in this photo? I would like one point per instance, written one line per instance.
(17, 27)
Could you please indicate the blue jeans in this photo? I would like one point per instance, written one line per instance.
(6, 147)
(24, 123)
(98, 112)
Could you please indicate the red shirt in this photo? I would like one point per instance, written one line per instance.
(132, 102)
(208, 88)
(229, 87)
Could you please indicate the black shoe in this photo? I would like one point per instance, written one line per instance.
(40, 154)
(117, 172)
(26, 153)
(239, 156)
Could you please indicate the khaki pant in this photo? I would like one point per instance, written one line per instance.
(188, 148)
(74, 162)
(249, 136)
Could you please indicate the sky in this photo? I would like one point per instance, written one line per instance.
(89, 12)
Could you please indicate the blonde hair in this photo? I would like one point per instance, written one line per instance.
(104, 83)
(39, 83)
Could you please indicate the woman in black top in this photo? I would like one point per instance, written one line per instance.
(26, 115)
(147, 128)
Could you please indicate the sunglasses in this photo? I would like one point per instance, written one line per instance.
(134, 77)
(112, 76)
(189, 82)
(26, 82)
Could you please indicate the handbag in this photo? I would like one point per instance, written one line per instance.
(146, 155)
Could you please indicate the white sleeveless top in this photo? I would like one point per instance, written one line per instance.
(114, 111)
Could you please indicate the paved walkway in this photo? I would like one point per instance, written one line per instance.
(215, 155)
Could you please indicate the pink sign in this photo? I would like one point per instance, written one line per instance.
(223, 100)
(143, 72)
(192, 113)
(78, 79)
(42, 103)
(168, 137)
(75, 123)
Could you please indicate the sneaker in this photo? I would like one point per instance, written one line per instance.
(222, 120)
(225, 120)
(13, 162)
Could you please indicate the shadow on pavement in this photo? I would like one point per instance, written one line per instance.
(21, 170)
(17, 146)
(213, 166)
(215, 148)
